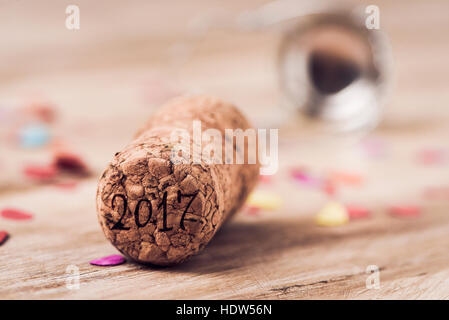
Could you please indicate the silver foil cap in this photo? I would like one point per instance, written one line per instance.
(334, 72)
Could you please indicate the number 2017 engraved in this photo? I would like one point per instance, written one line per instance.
(163, 205)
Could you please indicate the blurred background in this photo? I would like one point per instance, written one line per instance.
(70, 99)
(105, 78)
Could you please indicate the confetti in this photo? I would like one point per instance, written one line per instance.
(113, 260)
(303, 177)
(331, 215)
(3, 237)
(326, 185)
(329, 188)
(264, 200)
(431, 156)
(40, 173)
(253, 211)
(70, 162)
(347, 178)
(34, 136)
(43, 111)
(265, 179)
(15, 214)
(406, 211)
(357, 212)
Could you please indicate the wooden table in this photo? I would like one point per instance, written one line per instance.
(107, 77)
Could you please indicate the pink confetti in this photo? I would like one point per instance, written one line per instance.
(253, 210)
(40, 173)
(265, 179)
(113, 260)
(3, 237)
(431, 156)
(357, 212)
(42, 110)
(15, 214)
(303, 177)
(329, 188)
(347, 178)
(326, 185)
(406, 211)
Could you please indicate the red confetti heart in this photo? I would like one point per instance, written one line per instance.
(406, 211)
(253, 210)
(15, 214)
(41, 173)
(113, 260)
(3, 237)
(70, 162)
(357, 212)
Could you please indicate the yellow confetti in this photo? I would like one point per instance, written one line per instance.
(264, 200)
(332, 214)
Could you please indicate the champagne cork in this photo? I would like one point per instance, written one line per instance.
(157, 211)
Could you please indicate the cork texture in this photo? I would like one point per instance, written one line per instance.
(158, 212)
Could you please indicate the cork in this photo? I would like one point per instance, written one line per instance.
(158, 211)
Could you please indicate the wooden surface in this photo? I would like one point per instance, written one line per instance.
(100, 78)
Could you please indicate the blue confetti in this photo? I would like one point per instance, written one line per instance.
(34, 136)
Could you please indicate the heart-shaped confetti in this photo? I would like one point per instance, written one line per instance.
(113, 260)
(357, 212)
(264, 200)
(305, 178)
(405, 211)
(253, 211)
(15, 214)
(40, 173)
(331, 215)
(34, 136)
(70, 162)
(3, 237)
